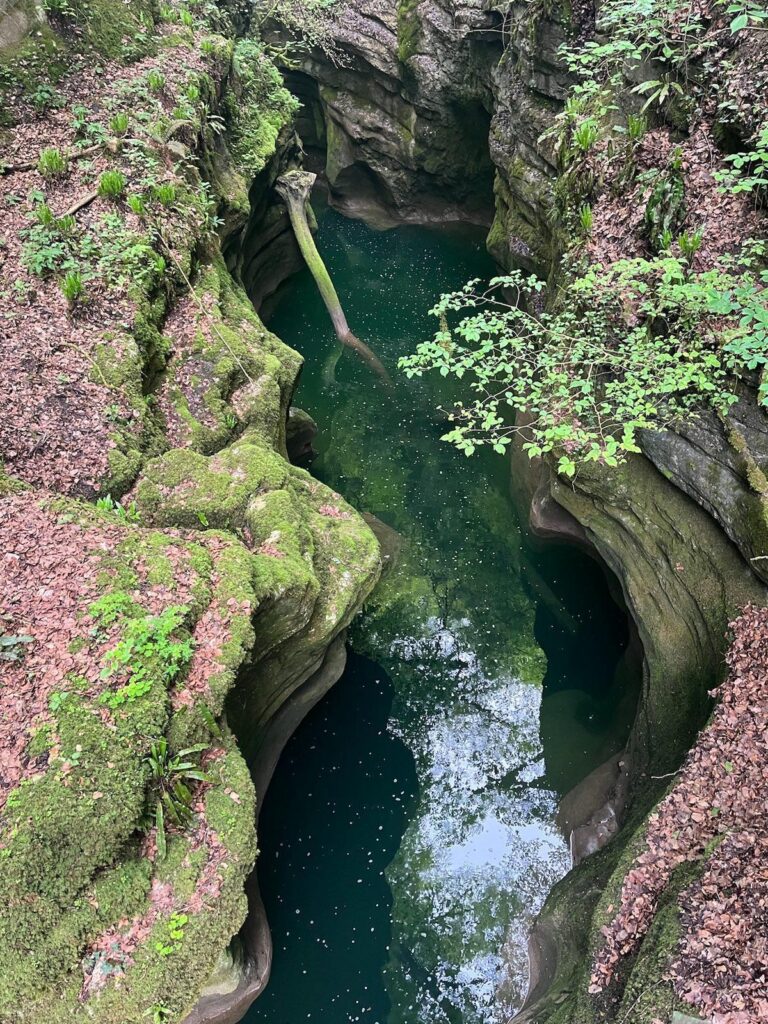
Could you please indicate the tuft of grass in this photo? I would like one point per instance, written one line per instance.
(119, 124)
(73, 288)
(155, 80)
(585, 219)
(165, 193)
(637, 126)
(66, 225)
(52, 163)
(137, 205)
(111, 184)
(45, 215)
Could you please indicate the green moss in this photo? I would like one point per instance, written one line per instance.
(259, 106)
(408, 29)
(183, 488)
(40, 741)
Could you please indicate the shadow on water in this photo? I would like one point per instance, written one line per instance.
(332, 821)
(409, 901)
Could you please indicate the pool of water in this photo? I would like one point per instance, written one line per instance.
(408, 837)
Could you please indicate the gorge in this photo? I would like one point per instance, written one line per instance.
(194, 534)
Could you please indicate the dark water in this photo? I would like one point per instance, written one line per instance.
(408, 838)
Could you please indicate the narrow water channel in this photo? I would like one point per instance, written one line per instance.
(408, 837)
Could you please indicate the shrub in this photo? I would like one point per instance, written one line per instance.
(638, 345)
(52, 163)
(111, 184)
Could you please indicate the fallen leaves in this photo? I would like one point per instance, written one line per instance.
(721, 963)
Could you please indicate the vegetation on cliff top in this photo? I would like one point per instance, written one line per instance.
(658, 310)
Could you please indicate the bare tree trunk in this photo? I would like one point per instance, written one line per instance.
(294, 188)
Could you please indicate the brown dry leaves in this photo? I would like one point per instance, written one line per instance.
(721, 966)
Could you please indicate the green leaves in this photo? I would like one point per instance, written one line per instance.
(169, 794)
(151, 651)
(12, 647)
(633, 347)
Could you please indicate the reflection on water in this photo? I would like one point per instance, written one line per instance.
(451, 826)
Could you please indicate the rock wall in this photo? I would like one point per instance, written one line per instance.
(401, 120)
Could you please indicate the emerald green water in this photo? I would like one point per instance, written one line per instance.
(408, 837)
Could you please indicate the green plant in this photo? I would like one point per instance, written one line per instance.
(52, 163)
(112, 607)
(665, 208)
(118, 124)
(155, 80)
(45, 252)
(585, 135)
(21, 291)
(660, 90)
(637, 345)
(165, 193)
(170, 798)
(44, 96)
(61, 7)
(12, 646)
(66, 225)
(129, 514)
(172, 944)
(185, 17)
(160, 1014)
(748, 171)
(136, 205)
(56, 699)
(111, 184)
(585, 219)
(80, 118)
(690, 243)
(73, 288)
(45, 215)
(637, 126)
(745, 14)
(151, 651)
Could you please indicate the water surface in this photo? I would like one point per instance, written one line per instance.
(409, 836)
